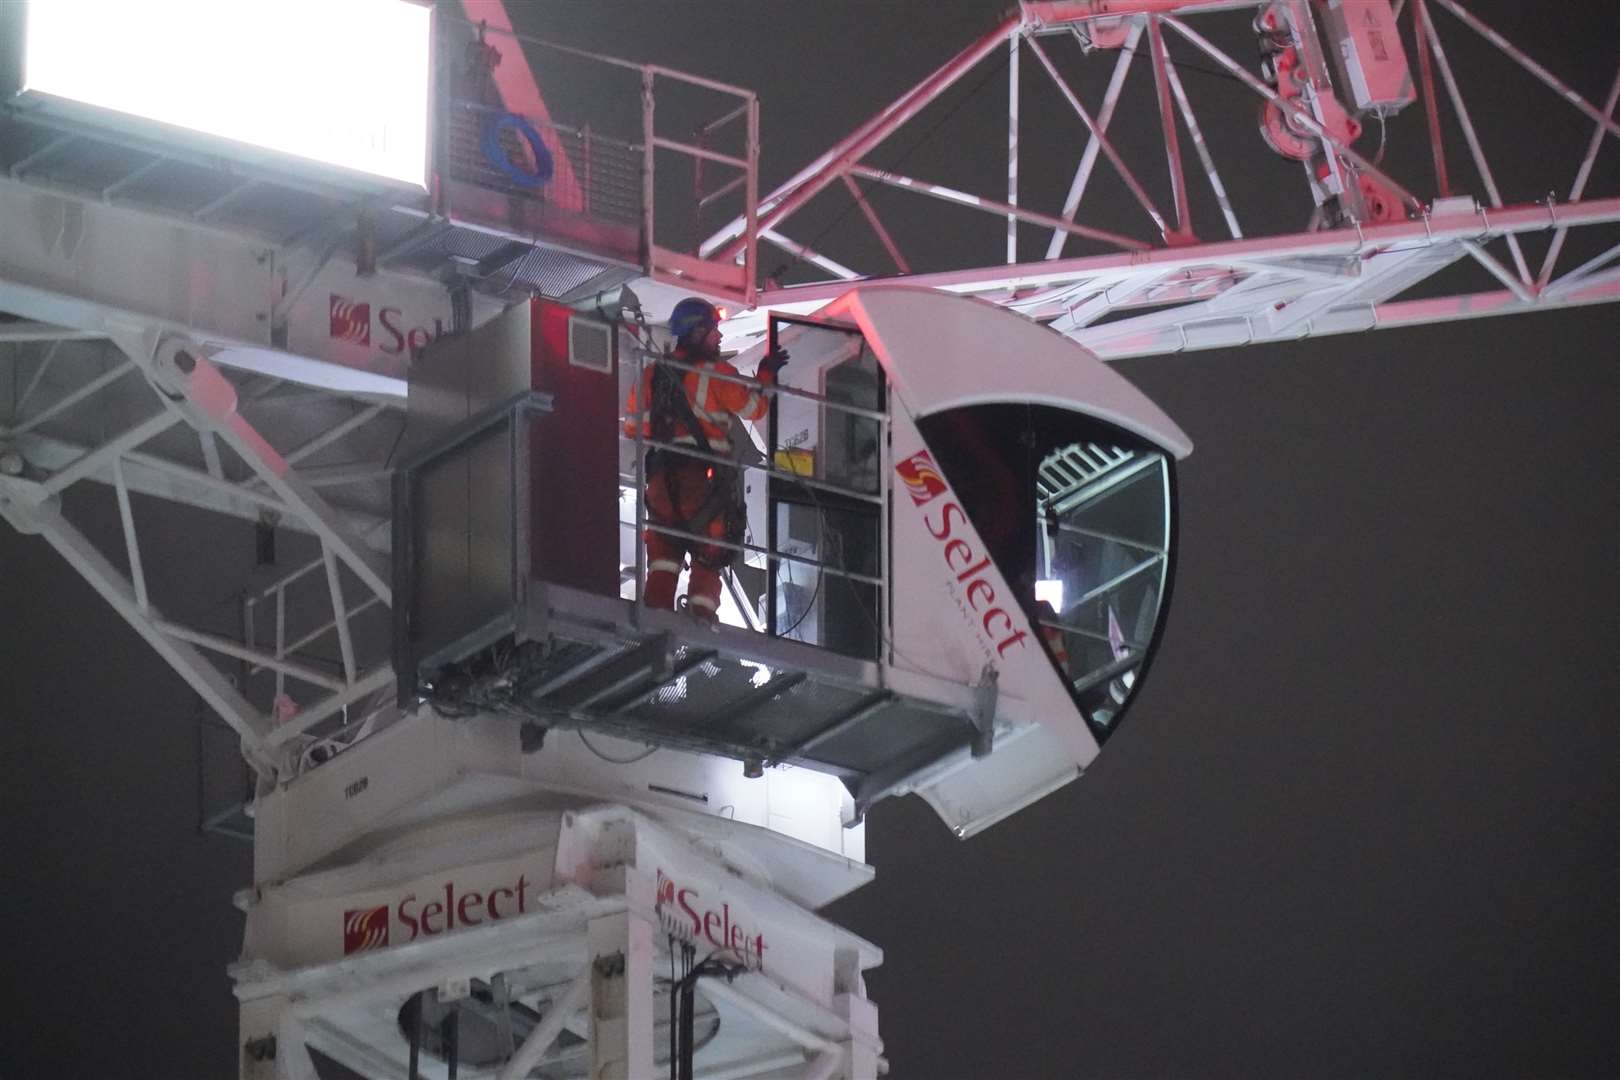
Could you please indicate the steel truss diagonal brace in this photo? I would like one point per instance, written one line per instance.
(826, 169)
(45, 519)
(208, 401)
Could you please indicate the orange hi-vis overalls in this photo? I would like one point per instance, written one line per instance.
(682, 491)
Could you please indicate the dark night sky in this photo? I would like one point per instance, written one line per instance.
(1362, 820)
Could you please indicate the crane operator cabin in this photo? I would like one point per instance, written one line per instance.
(946, 573)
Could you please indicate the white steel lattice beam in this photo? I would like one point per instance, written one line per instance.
(1172, 141)
(1088, 157)
(33, 331)
(29, 509)
(161, 478)
(208, 401)
(1470, 133)
(1288, 284)
(1578, 189)
(1451, 225)
(809, 181)
(185, 388)
(948, 194)
(534, 1047)
(1101, 138)
(1201, 145)
(67, 401)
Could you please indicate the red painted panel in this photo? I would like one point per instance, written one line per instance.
(574, 508)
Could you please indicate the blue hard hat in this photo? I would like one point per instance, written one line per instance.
(691, 313)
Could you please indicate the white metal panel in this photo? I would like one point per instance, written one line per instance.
(389, 903)
(955, 616)
(944, 352)
(373, 323)
(427, 769)
(82, 264)
(1029, 764)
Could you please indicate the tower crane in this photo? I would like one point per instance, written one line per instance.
(506, 819)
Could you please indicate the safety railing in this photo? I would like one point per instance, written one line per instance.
(789, 478)
(521, 156)
(486, 625)
(638, 146)
(285, 649)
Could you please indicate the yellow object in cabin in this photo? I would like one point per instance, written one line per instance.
(797, 461)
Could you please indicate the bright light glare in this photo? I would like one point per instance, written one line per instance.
(343, 82)
(1050, 590)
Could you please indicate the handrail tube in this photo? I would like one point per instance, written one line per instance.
(853, 575)
(700, 80)
(693, 452)
(664, 143)
(776, 389)
(566, 129)
(1080, 631)
(1098, 534)
(720, 122)
(1119, 579)
(723, 190)
(640, 605)
(1103, 674)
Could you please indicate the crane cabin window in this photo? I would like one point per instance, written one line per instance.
(1077, 514)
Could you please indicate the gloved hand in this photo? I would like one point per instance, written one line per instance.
(773, 362)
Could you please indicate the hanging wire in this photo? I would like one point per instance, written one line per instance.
(884, 640)
(609, 758)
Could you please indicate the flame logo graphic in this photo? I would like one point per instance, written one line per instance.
(921, 477)
(365, 930)
(349, 321)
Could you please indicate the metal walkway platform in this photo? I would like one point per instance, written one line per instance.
(598, 664)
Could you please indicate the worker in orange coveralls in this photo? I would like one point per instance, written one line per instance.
(691, 494)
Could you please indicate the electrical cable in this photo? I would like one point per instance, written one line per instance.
(495, 151)
(1186, 65)
(884, 640)
(811, 603)
(521, 265)
(609, 758)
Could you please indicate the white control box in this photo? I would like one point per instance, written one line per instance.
(1373, 72)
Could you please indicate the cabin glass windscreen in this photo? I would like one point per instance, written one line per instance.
(1077, 515)
(1102, 567)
